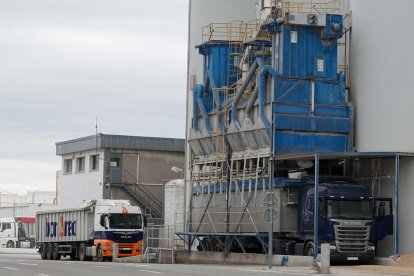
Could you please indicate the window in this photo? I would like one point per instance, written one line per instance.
(5, 226)
(80, 164)
(94, 162)
(67, 166)
(115, 161)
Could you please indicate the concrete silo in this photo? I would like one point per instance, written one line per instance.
(382, 81)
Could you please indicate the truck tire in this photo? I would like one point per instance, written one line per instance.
(42, 251)
(55, 252)
(49, 251)
(82, 252)
(308, 249)
(10, 244)
(99, 254)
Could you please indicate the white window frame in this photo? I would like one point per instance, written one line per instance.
(91, 162)
(79, 168)
(67, 169)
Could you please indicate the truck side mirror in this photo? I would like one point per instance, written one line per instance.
(145, 221)
(102, 221)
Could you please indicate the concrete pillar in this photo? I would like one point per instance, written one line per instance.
(325, 258)
(115, 252)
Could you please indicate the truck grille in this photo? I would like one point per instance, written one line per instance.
(352, 239)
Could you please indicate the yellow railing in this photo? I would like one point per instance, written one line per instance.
(231, 31)
(311, 6)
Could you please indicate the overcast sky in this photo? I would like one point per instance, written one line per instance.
(64, 62)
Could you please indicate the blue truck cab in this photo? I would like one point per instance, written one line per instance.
(350, 219)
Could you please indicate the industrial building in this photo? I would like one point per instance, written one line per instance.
(347, 111)
(106, 166)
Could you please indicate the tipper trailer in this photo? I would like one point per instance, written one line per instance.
(350, 219)
(90, 231)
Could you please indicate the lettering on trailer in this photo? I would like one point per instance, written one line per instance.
(63, 228)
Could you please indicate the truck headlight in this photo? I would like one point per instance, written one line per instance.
(332, 247)
(371, 247)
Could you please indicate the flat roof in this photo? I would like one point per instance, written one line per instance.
(101, 141)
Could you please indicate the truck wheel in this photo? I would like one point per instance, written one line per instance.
(10, 244)
(99, 254)
(49, 251)
(55, 252)
(216, 246)
(42, 251)
(308, 249)
(82, 252)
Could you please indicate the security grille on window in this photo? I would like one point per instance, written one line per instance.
(94, 162)
(80, 164)
(67, 166)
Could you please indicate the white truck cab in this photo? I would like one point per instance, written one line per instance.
(13, 234)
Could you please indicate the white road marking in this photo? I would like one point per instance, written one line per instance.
(103, 266)
(42, 274)
(149, 271)
(138, 265)
(10, 268)
(26, 264)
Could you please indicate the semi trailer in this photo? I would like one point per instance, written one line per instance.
(350, 219)
(90, 231)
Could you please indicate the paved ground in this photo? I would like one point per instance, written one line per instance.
(25, 262)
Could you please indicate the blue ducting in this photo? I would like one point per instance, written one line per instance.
(257, 63)
(251, 102)
(209, 82)
(195, 109)
(199, 92)
(262, 80)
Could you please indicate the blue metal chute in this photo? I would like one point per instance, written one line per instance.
(261, 128)
(199, 91)
(234, 136)
(195, 135)
(209, 82)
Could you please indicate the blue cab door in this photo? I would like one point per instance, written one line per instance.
(383, 221)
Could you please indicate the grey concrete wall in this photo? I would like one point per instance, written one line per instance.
(150, 168)
(382, 82)
(155, 166)
(382, 71)
(198, 257)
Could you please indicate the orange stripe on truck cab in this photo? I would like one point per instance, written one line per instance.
(124, 249)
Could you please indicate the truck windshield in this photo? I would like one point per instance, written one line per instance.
(349, 209)
(125, 221)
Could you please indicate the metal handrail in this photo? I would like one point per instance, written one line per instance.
(143, 194)
(317, 6)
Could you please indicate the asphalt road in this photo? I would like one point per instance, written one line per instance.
(26, 263)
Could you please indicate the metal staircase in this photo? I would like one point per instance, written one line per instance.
(152, 207)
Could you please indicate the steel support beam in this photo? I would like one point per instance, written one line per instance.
(397, 191)
(316, 211)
